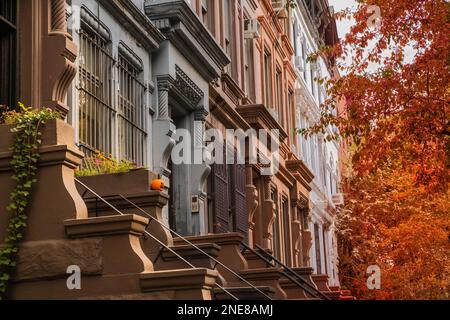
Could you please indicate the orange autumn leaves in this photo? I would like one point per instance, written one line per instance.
(405, 230)
(397, 124)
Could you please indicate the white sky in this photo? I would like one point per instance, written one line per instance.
(343, 25)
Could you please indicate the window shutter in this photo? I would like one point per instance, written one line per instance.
(240, 204)
(221, 207)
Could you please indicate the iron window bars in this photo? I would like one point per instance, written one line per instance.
(111, 121)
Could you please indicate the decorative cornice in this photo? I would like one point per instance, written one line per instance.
(286, 176)
(298, 166)
(135, 21)
(93, 24)
(165, 82)
(226, 113)
(290, 69)
(231, 88)
(187, 87)
(200, 114)
(180, 24)
(130, 56)
(258, 115)
(301, 202)
(287, 44)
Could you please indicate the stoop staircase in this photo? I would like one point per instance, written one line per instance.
(181, 256)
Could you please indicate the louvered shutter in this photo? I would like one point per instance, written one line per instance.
(221, 202)
(240, 205)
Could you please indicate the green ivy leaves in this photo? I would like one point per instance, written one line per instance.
(28, 138)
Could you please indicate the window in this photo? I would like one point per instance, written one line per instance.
(230, 47)
(279, 95)
(131, 114)
(303, 142)
(286, 231)
(289, 115)
(331, 183)
(8, 54)
(317, 247)
(313, 81)
(226, 199)
(267, 80)
(324, 233)
(207, 13)
(313, 152)
(276, 227)
(304, 55)
(96, 112)
(112, 117)
(249, 68)
(295, 37)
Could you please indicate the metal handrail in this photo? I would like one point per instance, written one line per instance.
(288, 269)
(196, 247)
(287, 275)
(153, 237)
(308, 288)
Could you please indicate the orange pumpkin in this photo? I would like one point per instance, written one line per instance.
(158, 185)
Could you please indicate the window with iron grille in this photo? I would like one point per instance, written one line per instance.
(112, 95)
(8, 54)
(96, 112)
(131, 117)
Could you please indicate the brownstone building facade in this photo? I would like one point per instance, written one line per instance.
(237, 74)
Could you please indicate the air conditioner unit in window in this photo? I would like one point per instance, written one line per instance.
(252, 28)
(299, 63)
(338, 199)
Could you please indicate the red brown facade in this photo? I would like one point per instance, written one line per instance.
(248, 82)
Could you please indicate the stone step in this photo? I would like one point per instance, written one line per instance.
(244, 293)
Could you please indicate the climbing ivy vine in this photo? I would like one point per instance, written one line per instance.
(26, 125)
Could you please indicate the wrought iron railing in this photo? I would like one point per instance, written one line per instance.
(292, 275)
(288, 273)
(95, 100)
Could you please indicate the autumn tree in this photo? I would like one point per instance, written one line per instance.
(395, 84)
